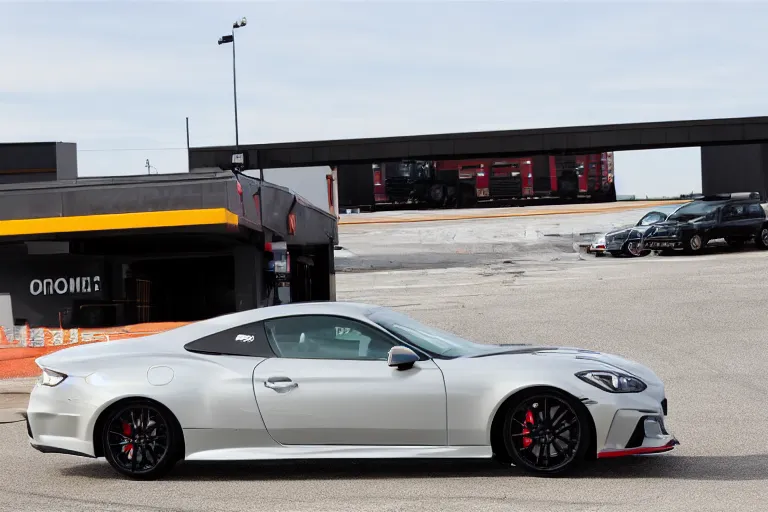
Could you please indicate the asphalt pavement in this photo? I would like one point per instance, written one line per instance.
(698, 321)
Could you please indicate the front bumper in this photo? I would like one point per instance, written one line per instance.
(638, 432)
(659, 244)
(615, 245)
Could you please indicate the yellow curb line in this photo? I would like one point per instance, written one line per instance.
(399, 220)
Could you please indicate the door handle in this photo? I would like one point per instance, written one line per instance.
(280, 384)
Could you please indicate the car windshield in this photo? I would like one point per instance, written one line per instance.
(430, 339)
(695, 209)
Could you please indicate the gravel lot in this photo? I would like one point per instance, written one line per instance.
(698, 321)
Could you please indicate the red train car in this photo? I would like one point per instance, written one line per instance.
(461, 183)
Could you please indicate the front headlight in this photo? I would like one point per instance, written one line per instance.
(613, 382)
(51, 378)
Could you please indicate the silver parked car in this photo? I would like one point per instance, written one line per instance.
(340, 380)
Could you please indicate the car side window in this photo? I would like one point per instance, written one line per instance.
(756, 211)
(326, 337)
(734, 212)
(244, 340)
(651, 218)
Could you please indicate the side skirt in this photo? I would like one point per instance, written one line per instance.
(344, 452)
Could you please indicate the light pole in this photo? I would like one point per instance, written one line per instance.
(230, 38)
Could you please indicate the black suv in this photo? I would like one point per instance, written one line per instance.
(736, 217)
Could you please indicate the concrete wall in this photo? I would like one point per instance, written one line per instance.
(739, 168)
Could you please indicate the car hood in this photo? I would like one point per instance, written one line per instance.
(625, 229)
(582, 358)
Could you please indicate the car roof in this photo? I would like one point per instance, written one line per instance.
(355, 309)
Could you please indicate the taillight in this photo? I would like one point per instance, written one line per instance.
(377, 178)
(51, 378)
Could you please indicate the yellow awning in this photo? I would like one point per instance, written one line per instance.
(118, 221)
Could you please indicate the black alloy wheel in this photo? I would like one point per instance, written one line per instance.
(546, 433)
(140, 441)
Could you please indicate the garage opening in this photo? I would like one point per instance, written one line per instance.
(179, 289)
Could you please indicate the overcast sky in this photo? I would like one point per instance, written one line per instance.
(124, 75)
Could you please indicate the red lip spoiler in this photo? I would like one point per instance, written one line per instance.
(640, 450)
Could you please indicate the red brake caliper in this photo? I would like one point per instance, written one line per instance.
(528, 420)
(127, 432)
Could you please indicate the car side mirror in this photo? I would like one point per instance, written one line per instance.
(402, 357)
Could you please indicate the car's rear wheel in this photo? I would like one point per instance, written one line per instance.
(761, 240)
(546, 432)
(140, 440)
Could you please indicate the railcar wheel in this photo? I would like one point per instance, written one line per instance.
(140, 440)
(546, 433)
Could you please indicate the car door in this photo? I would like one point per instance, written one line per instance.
(756, 218)
(331, 385)
(735, 222)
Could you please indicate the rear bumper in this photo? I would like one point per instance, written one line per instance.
(57, 422)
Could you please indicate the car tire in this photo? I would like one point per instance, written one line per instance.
(548, 441)
(141, 440)
(628, 251)
(761, 239)
(695, 244)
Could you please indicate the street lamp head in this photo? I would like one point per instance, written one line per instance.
(226, 39)
(239, 23)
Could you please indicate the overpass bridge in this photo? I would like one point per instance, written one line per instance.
(734, 151)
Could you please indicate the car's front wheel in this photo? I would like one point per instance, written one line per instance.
(140, 440)
(546, 432)
(634, 249)
(695, 244)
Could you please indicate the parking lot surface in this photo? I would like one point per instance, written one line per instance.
(699, 322)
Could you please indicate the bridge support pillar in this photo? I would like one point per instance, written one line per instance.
(736, 168)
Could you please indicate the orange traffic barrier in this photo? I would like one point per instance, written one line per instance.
(20, 346)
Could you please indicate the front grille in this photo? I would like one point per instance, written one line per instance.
(506, 186)
(636, 439)
(620, 236)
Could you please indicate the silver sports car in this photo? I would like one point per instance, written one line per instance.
(339, 380)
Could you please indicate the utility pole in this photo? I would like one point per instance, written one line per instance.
(230, 38)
